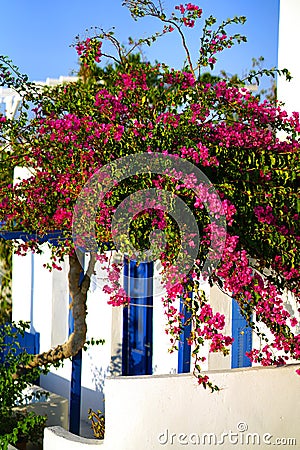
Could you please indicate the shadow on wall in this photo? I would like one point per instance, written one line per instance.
(55, 383)
(90, 398)
(115, 368)
(94, 398)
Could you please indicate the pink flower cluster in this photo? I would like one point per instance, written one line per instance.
(190, 12)
(109, 105)
(265, 215)
(176, 77)
(117, 293)
(63, 218)
(90, 49)
(135, 79)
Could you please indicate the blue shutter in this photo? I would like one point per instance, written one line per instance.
(242, 334)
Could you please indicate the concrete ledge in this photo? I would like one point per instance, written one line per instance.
(57, 438)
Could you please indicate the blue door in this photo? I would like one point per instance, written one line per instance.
(242, 334)
(137, 319)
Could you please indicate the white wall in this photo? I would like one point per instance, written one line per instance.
(60, 304)
(163, 362)
(32, 294)
(289, 92)
(150, 412)
(21, 287)
(221, 303)
(263, 398)
(96, 360)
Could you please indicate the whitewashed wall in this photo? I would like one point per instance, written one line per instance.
(221, 303)
(289, 92)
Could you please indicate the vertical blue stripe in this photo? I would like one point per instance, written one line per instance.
(184, 349)
(75, 393)
(31, 292)
(71, 320)
(125, 341)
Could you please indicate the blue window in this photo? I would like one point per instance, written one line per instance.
(138, 319)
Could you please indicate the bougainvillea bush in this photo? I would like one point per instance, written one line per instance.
(249, 150)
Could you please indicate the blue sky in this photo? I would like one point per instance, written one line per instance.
(37, 34)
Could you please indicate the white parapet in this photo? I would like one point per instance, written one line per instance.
(254, 405)
(57, 438)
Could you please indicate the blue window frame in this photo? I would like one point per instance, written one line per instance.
(137, 345)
